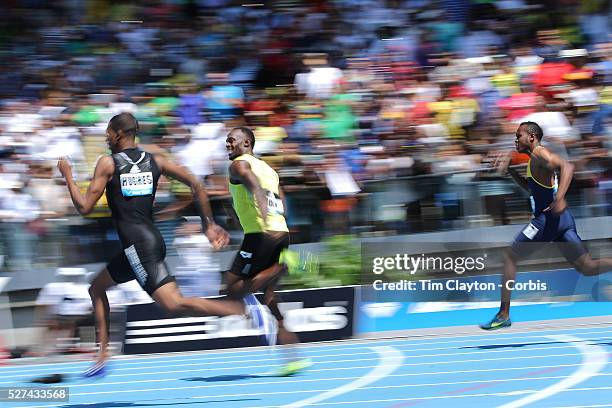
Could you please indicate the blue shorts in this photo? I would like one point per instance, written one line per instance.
(548, 227)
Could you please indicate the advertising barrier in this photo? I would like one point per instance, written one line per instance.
(314, 315)
(458, 302)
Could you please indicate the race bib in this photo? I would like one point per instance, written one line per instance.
(136, 184)
(275, 205)
(530, 231)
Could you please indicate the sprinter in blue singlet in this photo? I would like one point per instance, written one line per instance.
(552, 222)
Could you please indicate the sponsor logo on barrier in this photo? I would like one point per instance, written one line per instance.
(315, 315)
(299, 319)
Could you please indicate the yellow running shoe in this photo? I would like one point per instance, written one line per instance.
(295, 367)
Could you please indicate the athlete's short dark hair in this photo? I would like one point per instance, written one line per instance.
(248, 133)
(533, 129)
(126, 122)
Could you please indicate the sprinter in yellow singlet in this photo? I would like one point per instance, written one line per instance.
(258, 202)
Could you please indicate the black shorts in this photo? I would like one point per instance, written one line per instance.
(258, 252)
(145, 263)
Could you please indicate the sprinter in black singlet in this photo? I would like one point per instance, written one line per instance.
(129, 176)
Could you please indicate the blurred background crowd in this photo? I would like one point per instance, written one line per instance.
(381, 117)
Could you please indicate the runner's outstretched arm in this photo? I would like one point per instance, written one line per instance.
(102, 174)
(518, 179)
(217, 236)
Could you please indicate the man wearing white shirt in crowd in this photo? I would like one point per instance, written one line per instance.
(322, 81)
(198, 272)
(17, 209)
(553, 124)
(206, 144)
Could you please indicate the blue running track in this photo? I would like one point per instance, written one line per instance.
(537, 368)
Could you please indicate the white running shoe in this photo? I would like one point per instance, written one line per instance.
(261, 319)
(253, 309)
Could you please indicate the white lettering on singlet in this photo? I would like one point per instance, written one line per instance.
(136, 184)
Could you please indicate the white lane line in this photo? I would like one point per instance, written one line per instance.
(175, 364)
(425, 363)
(313, 370)
(498, 394)
(302, 381)
(594, 359)
(138, 371)
(253, 394)
(343, 345)
(190, 357)
(316, 399)
(585, 406)
(390, 360)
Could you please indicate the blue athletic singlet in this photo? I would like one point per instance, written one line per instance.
(541, 194)
(547, 226)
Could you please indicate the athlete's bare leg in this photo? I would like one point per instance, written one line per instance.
(97, 292)
(237, 287)
(591, 267)
(509, 274)
(170, 298)
(271, 300)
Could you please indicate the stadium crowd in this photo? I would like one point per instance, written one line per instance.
(376, 114)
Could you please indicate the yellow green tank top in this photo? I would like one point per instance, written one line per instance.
(246, 206)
